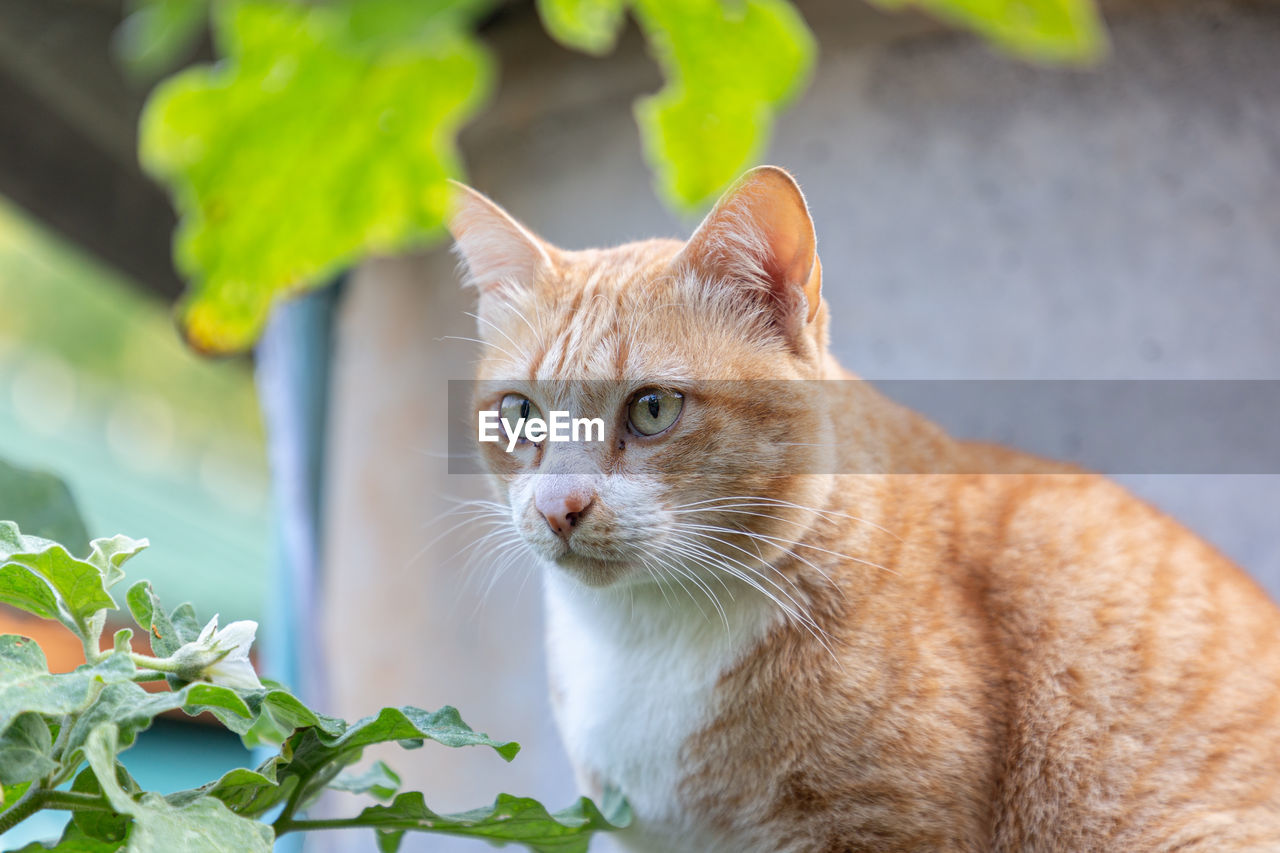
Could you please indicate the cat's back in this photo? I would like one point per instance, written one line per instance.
(1015, 662)
(1142, 669)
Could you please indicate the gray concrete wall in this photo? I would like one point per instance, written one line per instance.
(977, 219)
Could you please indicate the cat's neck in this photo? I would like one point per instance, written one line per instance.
(633, 676)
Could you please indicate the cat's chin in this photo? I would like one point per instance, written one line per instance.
(590, 571)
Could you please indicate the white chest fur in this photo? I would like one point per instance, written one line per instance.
(635, 675)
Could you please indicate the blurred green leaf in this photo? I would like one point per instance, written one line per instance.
(20, 659)
(1058, 31)
(166, 633)
(159, 827)
(326, 133)
(9, 793)
(406, 723)
(244, 791)
(318, 756)
(316, 752)
(730, 67)
(102, 826)
(519, 819)
(26, 685)
(23, 589)
(209, 697)
(42, 505)
(138, 599)
(131, 709)
(107, 555)
(157, 33)
(287, 713)
(378, 781)
(185, 624)
(591, 26)
(80, 585)
(25, 749)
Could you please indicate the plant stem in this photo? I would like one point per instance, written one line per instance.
(35, 799)
(148, 662)
(290, 806)
(92, 654)
(305, 786)
(74, 801)
(64, 732)
(145, 675)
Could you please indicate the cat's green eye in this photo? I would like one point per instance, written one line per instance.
(651, 412)
(515, 408)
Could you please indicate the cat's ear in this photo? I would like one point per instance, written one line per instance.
(497, 250)
(760, 237)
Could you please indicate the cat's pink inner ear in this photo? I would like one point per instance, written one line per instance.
(761, 226)
(496, 249)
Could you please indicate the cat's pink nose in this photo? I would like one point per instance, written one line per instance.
(563, 499)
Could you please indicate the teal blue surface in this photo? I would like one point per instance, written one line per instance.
(204, 549)
(97, 388)
(173, 756)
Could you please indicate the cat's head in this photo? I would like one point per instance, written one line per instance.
(683, 351)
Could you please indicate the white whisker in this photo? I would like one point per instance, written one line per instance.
(500, 349)
(781, 541)
(796, 614)
(757, 502)
(522, 350)
(699, 583)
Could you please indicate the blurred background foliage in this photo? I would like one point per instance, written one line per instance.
(326, 130)
(326, 134)
(42, 504)
(96, 387)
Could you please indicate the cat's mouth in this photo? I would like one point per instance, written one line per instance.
(590, 559)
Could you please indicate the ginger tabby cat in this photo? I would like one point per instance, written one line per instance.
(980, 656)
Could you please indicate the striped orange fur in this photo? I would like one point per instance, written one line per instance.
(977, 656)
